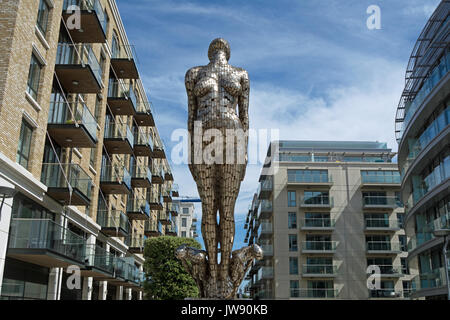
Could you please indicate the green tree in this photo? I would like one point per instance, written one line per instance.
(166, 277)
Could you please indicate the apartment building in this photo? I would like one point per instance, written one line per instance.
(324, 212)
(186, 221)
(84, 177)
(423, 135)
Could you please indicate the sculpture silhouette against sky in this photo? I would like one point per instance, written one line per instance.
(218, 159)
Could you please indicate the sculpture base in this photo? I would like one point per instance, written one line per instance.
(224, 286)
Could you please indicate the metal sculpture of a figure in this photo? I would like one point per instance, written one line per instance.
(218, 159)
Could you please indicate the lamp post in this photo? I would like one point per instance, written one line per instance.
(438, 233)
(6, 193)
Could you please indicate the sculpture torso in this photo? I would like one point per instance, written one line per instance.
(217, 88)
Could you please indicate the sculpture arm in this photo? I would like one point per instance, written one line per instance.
(189, 81)
(243, 101)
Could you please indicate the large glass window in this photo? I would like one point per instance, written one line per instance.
(34, 76)
(317, 219)
(183, 222)
(23, 150)
(293, 244)
(292, 220)
(380, 176)
(316, 197)
(295, 288)
(293, 265)
(311, 176)
(42, 19)
(292, 199)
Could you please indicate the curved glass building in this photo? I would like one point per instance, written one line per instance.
(423, 134)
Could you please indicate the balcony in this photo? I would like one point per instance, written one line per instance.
(123, 62)
(158, 149)
(390, 271)
(328, 247)
(152, 228)
(433, 279)
(45, 243)
(118, 138)
(380, 179)
(164, 217)
(167, 195)
(168, 176)
(264, 273)
(115, 179)
(113, 223)
(72, 125)
(265, 209)
(143, 115)
(383, 247)
(265, 189)
(385, 294)
(67, 183)
(419, 239)
(143, 144)
(323, 202)
(298, 177)
(157, 174)
(156, 201)
(171, 230)
(121, 98)
(319, 270)
(135, 244)
(141, 177)
(374, 224)
(121, 271)
(138, 209)
(267, 250)
(381, 202)
(77, 69)
(324, 224)
(174, 209)
(265, 230)
(175, 192)
(93, 21)
(99, 263)
(314, 293)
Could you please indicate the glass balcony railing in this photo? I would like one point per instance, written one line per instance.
(381, 178)
(319, 246)
(265, 228)
(374, 223)
(97, 257)
(45, 234)
(322, 201)
(435, 77)
(318, 223)
(55, 175)
(141, 172)
(384, 293)
(115, 130)
(115, 174)
(265, 186)
(265, 273)
(113, 219)
(153, 226)
(314, 293)
(90, 5)
(417, 145)
(73, 113)
(144, 107)
(310, 177)
(322, 269)
(79, 54)
(135, 242)
(381, 201)
(428, 280)
(142, 138)
(267, 249)
(384, 246)
(390, 270)
(418, 239)
(138, 205)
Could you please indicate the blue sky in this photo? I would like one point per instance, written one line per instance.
(317, 72)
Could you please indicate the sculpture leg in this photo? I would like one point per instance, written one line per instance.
(229, 190)
(206, 189)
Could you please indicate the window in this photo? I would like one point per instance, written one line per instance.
(42, 19)
(184, 222)
(405, 267)
(183, 234)
(34, 76)
(186, 210)
(93, 157)
(292, 199)
(311, 176)
(317, 219)
(23, 151)
(293, 246)
(293, 265)
(98, 107)
(316, 197)
(292, 220)
(295, 289)
(403, 242)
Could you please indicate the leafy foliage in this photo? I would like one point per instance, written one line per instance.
(166, 277)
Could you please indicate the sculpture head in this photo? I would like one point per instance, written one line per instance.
(219, 44)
